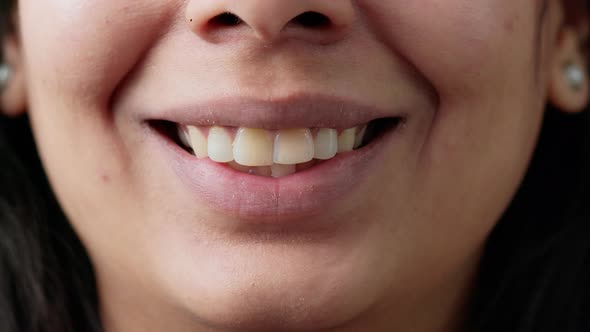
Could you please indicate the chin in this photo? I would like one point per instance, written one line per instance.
(278, 287)
(261, 305)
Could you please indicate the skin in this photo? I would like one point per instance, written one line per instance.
(412, 235)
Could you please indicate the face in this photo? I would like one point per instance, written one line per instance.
(384, 234)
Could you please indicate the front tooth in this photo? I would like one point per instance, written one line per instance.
(219, 145)
(293, 146)
(253, 147)
(198, 142)
(346, 140)
(325, 144)
(358, 141)
(279, 170)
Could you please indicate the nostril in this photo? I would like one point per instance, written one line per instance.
(312, 20)
(226, 19)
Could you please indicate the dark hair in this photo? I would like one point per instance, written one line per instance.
(46, 279)
(534, 275)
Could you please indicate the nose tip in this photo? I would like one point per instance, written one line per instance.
(321, 21)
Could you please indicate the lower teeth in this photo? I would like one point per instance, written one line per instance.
(276, 170)
(258, 170)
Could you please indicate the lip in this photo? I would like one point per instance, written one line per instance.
(291, 200)
(297, 111)
(276, 201)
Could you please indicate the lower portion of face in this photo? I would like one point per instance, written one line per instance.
(298, 232)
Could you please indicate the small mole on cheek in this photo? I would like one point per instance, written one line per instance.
(105, 178)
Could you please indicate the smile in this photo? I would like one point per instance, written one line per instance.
(275, 162)
(276, 153)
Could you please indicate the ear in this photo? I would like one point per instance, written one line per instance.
(13, 95)
(569, 86)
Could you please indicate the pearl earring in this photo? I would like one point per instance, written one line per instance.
(575, 75)
(5, 74)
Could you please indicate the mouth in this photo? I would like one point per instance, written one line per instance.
(273, 153)
(278, 161)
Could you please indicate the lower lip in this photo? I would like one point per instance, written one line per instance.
(297, 197)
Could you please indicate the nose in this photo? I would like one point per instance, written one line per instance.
(322, 21)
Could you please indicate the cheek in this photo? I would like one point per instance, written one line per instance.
(457, 44)
(76, 55)
(85, 48)
(478, 57)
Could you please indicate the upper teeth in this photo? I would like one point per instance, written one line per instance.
(259, 147)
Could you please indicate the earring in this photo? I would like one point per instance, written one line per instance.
(575, 75)
(5, 74)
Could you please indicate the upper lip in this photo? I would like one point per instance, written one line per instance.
(302, 111)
